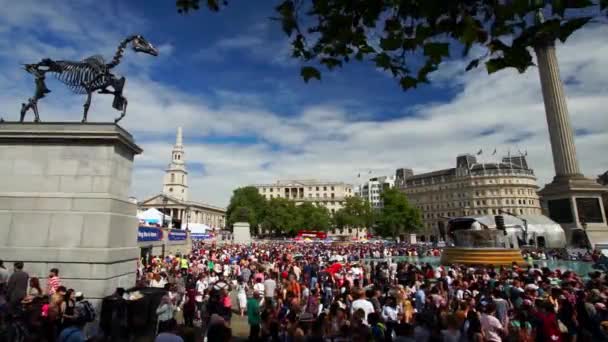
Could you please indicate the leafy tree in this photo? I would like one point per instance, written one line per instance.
(410, 38)
(397, 216)
(246, 204)
(311, 217)
(279, 217)
(356, 213)
(241, 214)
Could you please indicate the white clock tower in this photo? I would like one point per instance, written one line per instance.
(175, 183)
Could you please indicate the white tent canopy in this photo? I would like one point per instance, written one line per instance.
(197, 228)
(153, 215)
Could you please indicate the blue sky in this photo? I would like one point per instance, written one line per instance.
(227, 78)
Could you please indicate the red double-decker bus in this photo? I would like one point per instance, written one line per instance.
(311, 234)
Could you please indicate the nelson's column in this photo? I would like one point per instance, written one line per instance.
(572, 200)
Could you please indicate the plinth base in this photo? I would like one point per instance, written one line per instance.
(576, 204)
(241, 231)
(481, 256)
(63, 203)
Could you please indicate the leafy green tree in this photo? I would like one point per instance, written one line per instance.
(280, 216)
(355, 213)
(309, 216)
(397, 216)
(246, 203)
(410, 38)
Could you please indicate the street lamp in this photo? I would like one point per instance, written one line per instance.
(584, 225)
(187, 217)
(165, 200)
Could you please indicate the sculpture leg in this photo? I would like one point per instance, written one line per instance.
(23, 111)
(124, 110)
(32, 103)
(86, 106)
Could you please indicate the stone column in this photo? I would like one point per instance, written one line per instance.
(558, 120)
(64, 191)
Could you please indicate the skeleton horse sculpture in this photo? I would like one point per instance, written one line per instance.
(88, 76)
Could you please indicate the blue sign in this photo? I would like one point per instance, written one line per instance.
(145, 234)
(177, 235)
(200, 236)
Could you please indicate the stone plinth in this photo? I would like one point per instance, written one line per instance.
(63, 203)
(576, 204)
(241, 232)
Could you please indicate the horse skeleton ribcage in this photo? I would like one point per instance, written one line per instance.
(78, 76)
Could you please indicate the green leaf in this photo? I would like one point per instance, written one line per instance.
(579, 3)
(437, 50)
(497, 45)
(309, 72)
(495, 64)
(331, 63)
(408, 82)
(390, 43)
(570, 27)
(469, 32)
(383, 61)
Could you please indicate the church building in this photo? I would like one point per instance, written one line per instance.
(174, 202)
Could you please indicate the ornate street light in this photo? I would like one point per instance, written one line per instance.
(165, 200)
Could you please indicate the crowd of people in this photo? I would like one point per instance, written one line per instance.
(362, 292)
(30, 313)
(321, 292)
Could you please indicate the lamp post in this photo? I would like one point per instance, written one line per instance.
(165, 200)
(584, 225)
(187, 217)
(525, 230)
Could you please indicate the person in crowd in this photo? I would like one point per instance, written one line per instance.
(190, 305)
(169, 333)
(53, 281)
(68, 308)
(35, 289)
(72, 333)
(241, 294)
(16, 287)
(3, 277)
(165, 313)
(254, 315)
(55, 312)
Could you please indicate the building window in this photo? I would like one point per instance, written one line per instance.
(332, 195)
(271, 196)
(317, 189)
(332, 188)
(183, 177)
(271, 189)
(317, 195)
(170, 189)
(324, 188)
(172, 177)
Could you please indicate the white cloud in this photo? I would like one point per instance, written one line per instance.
(320, 141)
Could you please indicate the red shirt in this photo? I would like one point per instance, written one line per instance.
(52, 285)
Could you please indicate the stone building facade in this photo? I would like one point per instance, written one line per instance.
(470, 189)
(328, 194)
(371, 190)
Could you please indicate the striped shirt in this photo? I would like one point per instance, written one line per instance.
(52, 285)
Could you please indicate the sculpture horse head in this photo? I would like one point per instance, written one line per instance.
(140, 44)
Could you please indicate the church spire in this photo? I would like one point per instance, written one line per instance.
(179, 139)
(175, 183)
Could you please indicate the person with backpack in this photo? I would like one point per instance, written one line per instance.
(84, 309)
(73, 333)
